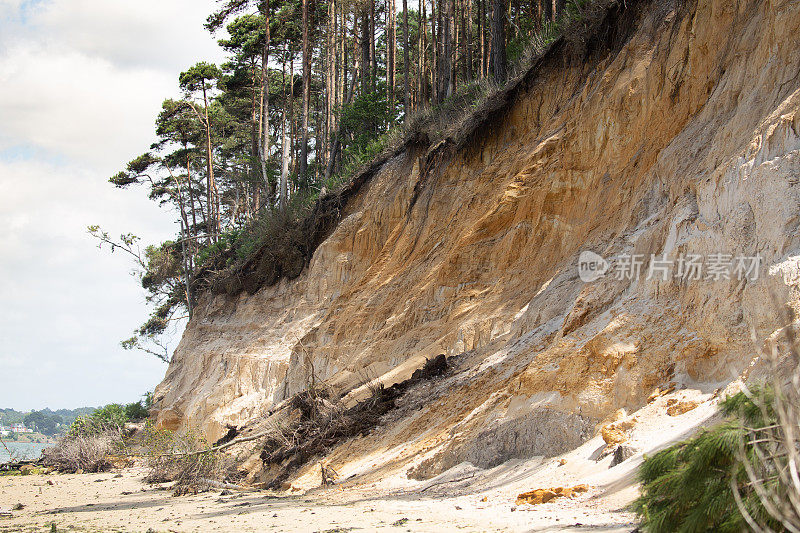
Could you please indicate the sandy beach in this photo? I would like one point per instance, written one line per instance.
(464, 498)
(121, 502)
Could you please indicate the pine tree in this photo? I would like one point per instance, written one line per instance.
(687, 487)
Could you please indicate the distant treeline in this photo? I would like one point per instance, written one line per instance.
(46, 421)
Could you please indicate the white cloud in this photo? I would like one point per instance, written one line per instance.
(78, 106)
(149, 33)
(68, 82)
(81, 82)
(66, 304)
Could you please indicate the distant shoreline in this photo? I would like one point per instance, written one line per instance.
(31, 438)
(25, 451)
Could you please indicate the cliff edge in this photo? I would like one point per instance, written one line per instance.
(671, 140)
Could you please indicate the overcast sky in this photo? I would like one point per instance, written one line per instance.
(81, 82)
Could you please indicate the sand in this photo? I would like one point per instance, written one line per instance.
(462, 499)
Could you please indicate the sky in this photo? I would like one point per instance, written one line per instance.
(81, 82)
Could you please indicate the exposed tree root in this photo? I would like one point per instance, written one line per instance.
(324, 423)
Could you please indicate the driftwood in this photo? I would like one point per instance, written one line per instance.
(16, 465)
(229, 486)
(445, 482)
(219, 447)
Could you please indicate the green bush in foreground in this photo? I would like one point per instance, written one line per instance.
(687, 487)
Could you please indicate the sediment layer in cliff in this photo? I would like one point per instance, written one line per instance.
(675, 132)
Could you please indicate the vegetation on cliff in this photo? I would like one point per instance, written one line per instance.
(258, 160)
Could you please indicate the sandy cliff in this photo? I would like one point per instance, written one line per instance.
(677, 133)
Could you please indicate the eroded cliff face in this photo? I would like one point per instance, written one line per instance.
(680, 136)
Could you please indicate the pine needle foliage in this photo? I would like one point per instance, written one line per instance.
(688, 486)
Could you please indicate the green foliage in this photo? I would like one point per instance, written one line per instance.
(687, 487)
(148, 400)
(360, 120)
(227, 241)
(275, 229)
(247, 34)
(110, 417)
(136, 411)
(355, 156)
(46, 423)
(364, 135)
(10, 416)
(198, 77)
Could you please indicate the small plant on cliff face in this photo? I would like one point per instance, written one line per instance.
(690, 486)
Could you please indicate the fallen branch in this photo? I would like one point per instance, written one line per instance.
(217, 448)
(229, 486)
(4, 446)
(16, 465)
(447, 481)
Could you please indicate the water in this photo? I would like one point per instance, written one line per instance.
(22, 450)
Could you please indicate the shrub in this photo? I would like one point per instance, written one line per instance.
(184, 459)
(83, 453)
(112, 417)
(688, 486)
(136, 411)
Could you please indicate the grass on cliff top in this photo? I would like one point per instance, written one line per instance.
(280, 244)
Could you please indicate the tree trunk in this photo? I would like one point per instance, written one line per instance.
(366, 67)
(337, 140)
(191, 196)
(390, 59)
(435, 44)
(213, 197)
(455, 55)
(406, 95)
(187, 272)
(303, 168)
(445, 31)
(291, 130)
(330, 82)
(498, 58)
(481, 40)
(422, 75)
(468, 43)
(373, 58)
(256, 103)
(264, 148)
(284, 185)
